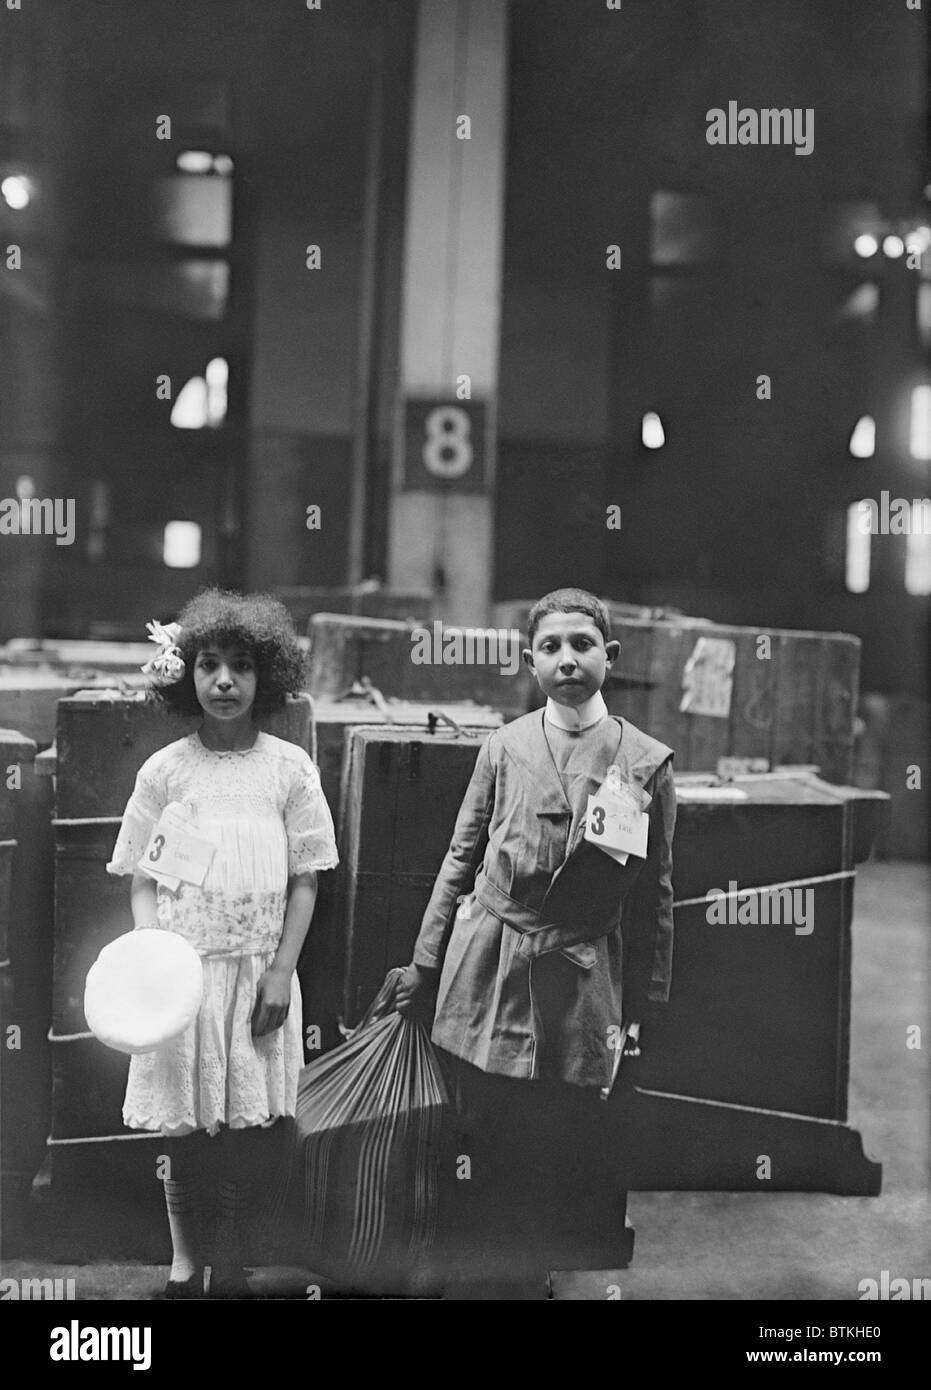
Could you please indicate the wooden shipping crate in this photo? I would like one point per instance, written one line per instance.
(403, 791)
(29, 698)
(758, 1019)
(91, 910)
(78, 658)
(88, 1085)
(323, 963)
(104, 737)
(790, 697)
(363, 601)
(25, 972)
(333, 719)
(419, 662)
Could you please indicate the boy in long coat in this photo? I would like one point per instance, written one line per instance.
(541, 951)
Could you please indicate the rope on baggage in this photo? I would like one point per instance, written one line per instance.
(767, 888)
(104, 1138)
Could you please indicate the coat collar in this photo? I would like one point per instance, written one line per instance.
(638, 757)
(575, 719)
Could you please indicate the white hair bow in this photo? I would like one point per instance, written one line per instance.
(167, 665)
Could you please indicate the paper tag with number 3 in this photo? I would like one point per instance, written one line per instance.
(174, 855)
(615, 821)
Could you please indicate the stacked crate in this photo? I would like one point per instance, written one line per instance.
(25, 971)
(753, 1046)
(346, 650)
(360, 600)
(334, 725)
(790, 697)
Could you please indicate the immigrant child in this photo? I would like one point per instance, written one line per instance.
(547, 938)
(218, 1091)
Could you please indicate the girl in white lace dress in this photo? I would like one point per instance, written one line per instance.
(216, 1090)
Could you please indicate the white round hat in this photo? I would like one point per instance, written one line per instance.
(143, 990)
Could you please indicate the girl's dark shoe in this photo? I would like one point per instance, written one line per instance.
(185, 1288)
(230, 1286)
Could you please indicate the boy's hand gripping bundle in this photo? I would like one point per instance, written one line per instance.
(361, 1192)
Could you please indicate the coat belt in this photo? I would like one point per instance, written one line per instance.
(538, 935)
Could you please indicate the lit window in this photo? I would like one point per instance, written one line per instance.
(857, 575)
(919, 443)
(918, 550)
(681, 229)
(194, 210)
(203, 162)
(194, 162)
(17, 191)
(862, 303)
(198, 289)
(863, 439)
(923, 313)
(189, 411)
(651, 431)
(181, 548)
(217, 376)
(202, 400)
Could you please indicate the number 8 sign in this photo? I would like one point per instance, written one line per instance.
(444, 445)
(447, 452)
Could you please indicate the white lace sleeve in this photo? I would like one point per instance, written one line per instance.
(311, 839)
(143, 809)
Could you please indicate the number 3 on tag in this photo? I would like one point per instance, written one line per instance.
(615, 825)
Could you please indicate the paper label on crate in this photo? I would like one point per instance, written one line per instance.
(615, 823)
(708, 678)
(174, 854)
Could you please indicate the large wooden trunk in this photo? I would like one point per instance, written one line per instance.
(323, 966)
(790, 696)
(29, 698)
(754, 1042)
(403, 790)
(303, 601)
(104, 737)
(334, 719)
(25, 975)
(418, 661)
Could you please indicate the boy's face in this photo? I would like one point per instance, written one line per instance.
(570, 658)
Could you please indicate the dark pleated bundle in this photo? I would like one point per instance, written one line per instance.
(360, 1194)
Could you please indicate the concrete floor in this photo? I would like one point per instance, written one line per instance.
(739, 1246)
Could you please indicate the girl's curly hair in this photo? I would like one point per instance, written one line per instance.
(258, 623)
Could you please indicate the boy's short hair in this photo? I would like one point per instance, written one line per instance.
(569, 601)
(257, 622)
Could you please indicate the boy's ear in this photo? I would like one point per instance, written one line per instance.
(613, 651)
(527, 654)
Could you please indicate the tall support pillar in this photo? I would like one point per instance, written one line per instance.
(441, 507)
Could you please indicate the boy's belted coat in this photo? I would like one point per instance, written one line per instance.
(547, 946)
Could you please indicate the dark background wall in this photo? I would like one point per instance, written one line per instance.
(740, 516)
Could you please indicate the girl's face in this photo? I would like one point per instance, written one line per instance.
(225, 680)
